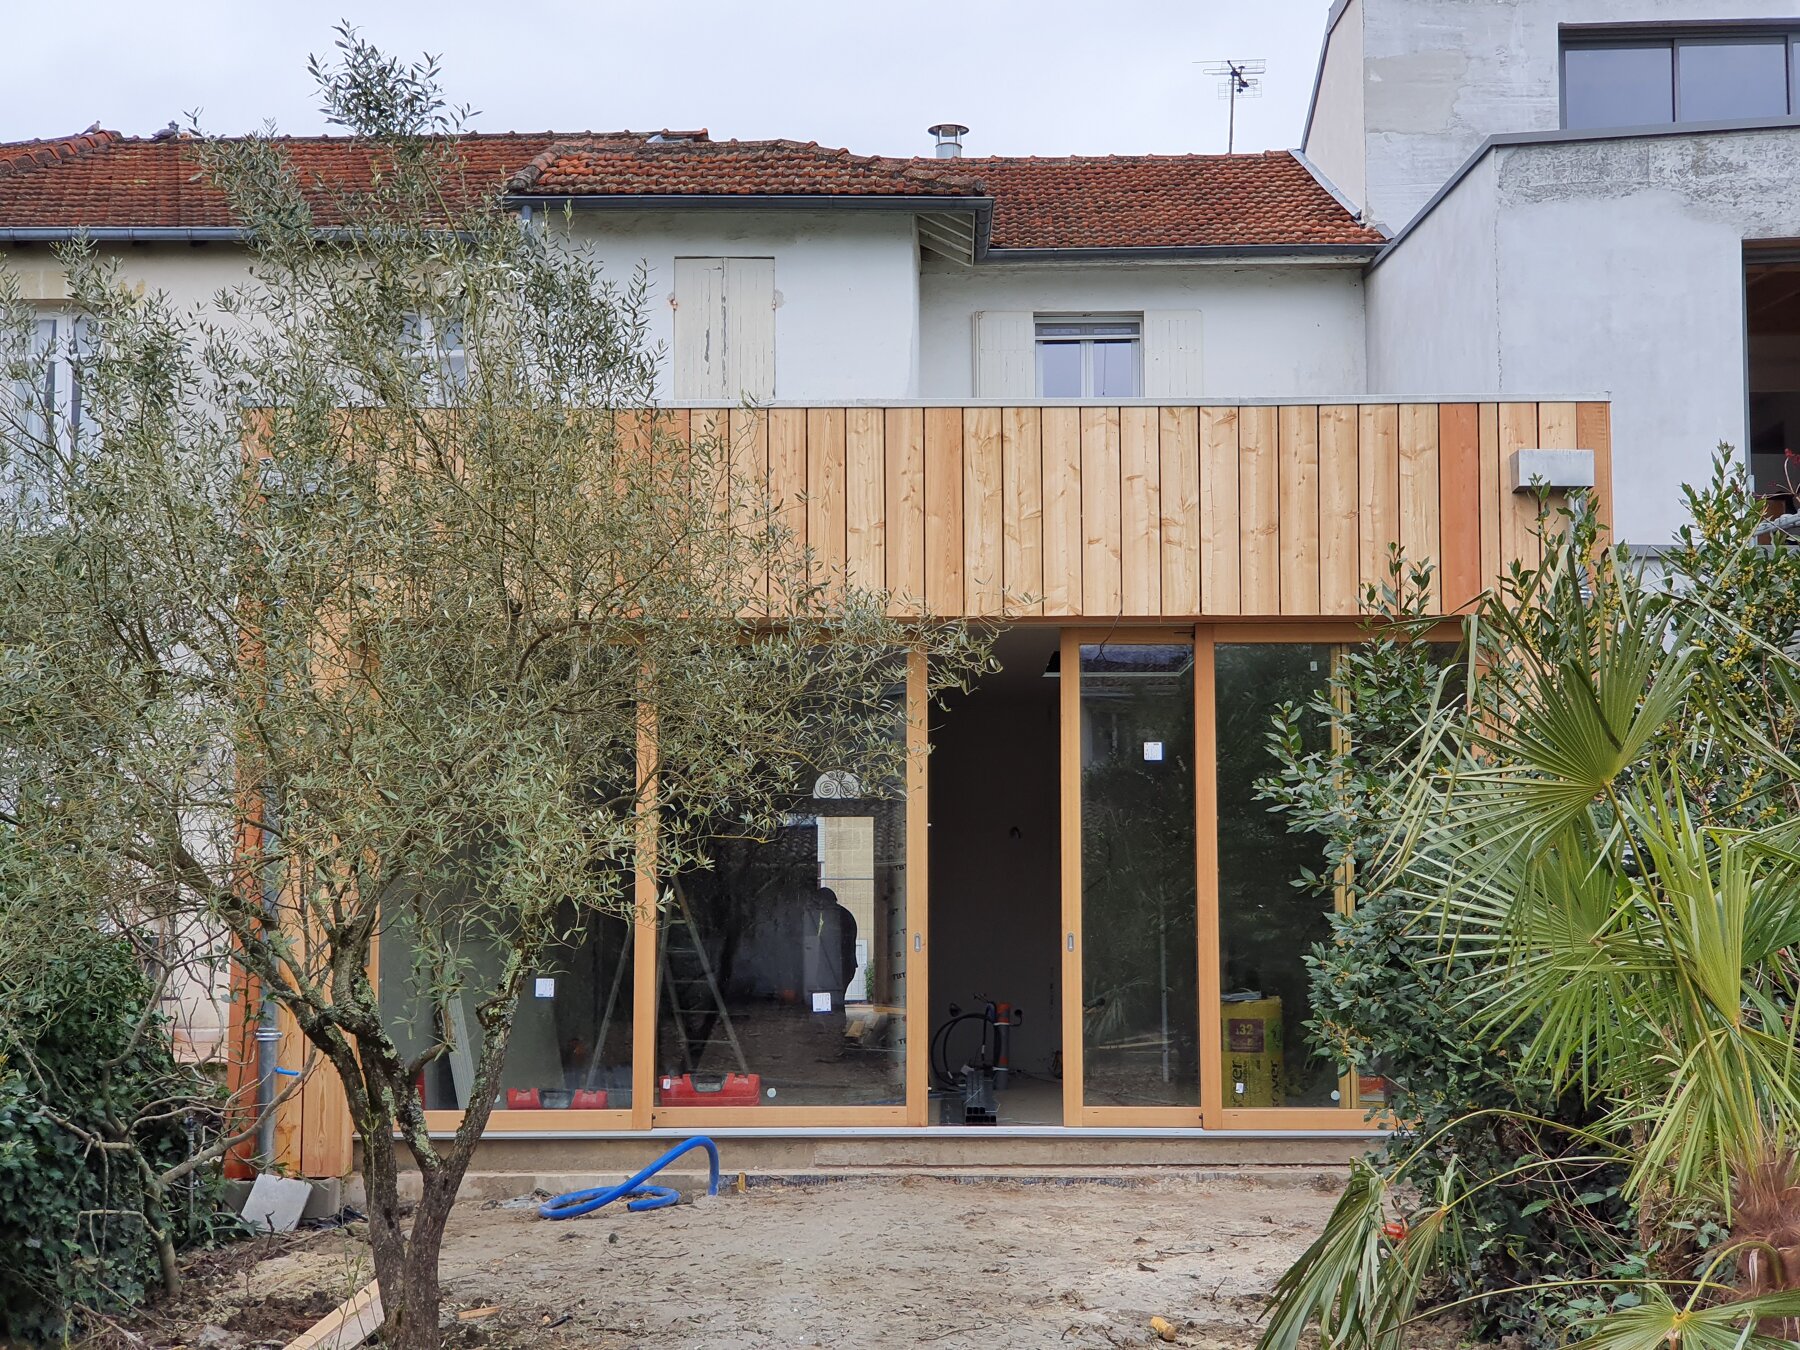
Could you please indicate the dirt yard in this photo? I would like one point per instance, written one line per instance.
(853, 1263)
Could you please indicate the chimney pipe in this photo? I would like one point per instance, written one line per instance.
(949, 139)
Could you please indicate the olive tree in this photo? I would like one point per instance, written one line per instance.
(380, 579)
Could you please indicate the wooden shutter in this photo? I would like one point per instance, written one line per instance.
(1005, 354)
(1172, 353)
(700, 339)
(749, 328)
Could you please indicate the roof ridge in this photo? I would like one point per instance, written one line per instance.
(21, 155)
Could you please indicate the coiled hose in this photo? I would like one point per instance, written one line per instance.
(575, 1203)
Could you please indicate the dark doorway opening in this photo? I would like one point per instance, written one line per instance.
(996, 878)
(1772, 330)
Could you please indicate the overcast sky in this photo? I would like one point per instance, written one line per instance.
(1029, 76)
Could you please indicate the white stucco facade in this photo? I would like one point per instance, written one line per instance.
(846, 287)
(1267, 331)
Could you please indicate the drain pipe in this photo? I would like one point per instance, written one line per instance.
(268, 1033)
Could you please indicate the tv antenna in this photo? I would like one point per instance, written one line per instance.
(1237, 79)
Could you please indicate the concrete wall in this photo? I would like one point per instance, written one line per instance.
(1439, 76)
(1267, 331)
(1334, 131)
(846, 287)
(1434, 304)
(1618, 269)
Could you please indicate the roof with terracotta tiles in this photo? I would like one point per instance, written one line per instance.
(102, 180)
(681, 168)
(1162, 201)
(123, 182)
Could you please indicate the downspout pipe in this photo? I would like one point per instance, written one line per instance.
(268, 1031)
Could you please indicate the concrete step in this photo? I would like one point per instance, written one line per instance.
(523, 1190)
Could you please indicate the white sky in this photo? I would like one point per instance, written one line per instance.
(1029, 76)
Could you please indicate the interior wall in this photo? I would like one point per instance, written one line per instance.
(996, 902)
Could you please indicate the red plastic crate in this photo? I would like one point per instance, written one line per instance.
(711, 1089)
(523, 1099)
(588, 1099)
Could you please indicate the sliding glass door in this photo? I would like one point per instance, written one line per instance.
(1132, 1037)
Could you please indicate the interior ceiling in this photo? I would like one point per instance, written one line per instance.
(1772, 298)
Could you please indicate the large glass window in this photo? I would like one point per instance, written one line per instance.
(1089, 357)
(1267, 924)
(1632, 79)
(571, 1038)
(1140, 1002)
(781, 971)
(1618, 86)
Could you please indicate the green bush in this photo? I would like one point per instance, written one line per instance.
(85, 1062)
(1386, 1003)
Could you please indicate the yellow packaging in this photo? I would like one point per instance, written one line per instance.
(1254, 1065)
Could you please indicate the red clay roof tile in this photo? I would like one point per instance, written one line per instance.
(1162, 201)
(101, 180)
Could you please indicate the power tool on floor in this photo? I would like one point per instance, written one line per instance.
(970, 1093)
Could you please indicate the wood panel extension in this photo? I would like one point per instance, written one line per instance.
(1148, 512)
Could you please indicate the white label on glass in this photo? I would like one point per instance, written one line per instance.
(1153, 750)
(822, 1001)
(546, 986)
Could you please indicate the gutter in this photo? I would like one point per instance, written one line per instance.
(134, 234)
(1509, 139)
(1238, 253)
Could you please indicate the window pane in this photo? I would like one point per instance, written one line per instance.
(1115, 370)
(1059, 370)
(1618, 86)
(571, 1038)
(1267, 925)
(1140, 1006)
(1723, 81)
(782, 970)
(1079, 328)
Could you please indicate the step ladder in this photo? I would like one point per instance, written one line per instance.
(680, 939)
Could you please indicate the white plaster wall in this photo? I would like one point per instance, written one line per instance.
(1434, 304)
(1334, 132)
(1267, 332)
(1618, 267)
(846, 287)
(190, 274)
(1442, 75)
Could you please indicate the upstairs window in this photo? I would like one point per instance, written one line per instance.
(1631, 78)
(1090, 357)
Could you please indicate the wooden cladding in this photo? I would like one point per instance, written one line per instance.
(1156, 512)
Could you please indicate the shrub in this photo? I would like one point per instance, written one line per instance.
(93, 1109)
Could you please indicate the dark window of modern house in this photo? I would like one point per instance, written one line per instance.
(1731, 80)
(1631, 79)
(1618, 86)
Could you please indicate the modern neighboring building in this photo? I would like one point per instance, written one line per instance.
(1163, 417)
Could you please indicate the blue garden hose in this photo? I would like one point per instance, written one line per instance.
(577, 1203)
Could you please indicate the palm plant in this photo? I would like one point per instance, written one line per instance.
(1606, 821)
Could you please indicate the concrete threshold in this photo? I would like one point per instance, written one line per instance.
(497, 1188)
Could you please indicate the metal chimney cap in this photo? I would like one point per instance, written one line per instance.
(949, 139)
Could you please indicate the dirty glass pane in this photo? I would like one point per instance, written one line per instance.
(781, 966)
(1726, 81)
(1618, 86)
(571, 1039)
(1140, 1005)
(1267, 925)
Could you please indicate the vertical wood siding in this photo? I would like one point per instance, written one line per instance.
(1147, 511)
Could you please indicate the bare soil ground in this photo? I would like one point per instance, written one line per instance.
(911, 1262)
